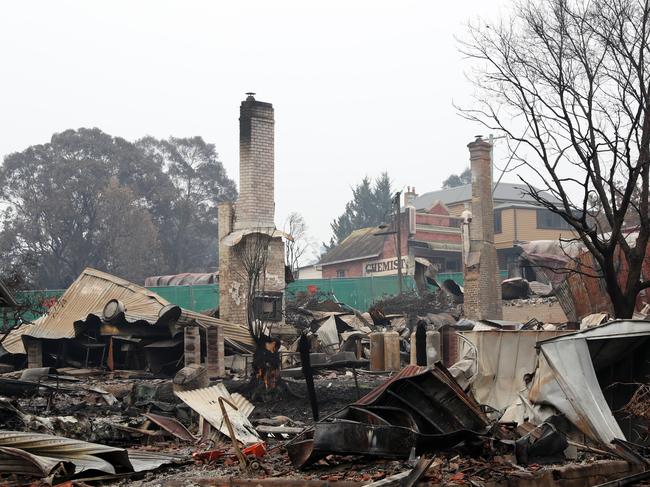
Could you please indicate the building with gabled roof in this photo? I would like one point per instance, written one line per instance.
(429, 239)
(518, 217)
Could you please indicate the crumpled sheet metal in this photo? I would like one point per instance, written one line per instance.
(83, 455)
(566, 377)
(503, 358)
(206, 403)
(88, 295)
(22, 463)
(419, 408)
(41, 455)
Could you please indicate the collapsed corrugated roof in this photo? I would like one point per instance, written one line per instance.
(93, 289)
(567, 379)
(421, 408)
(13, 342)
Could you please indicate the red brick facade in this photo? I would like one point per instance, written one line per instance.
(434, 229)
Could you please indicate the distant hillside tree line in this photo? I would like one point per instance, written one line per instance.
(87, 198)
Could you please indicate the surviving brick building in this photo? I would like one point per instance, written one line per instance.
(251, 216)
(430, 238)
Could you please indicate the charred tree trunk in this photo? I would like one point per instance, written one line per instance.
(266, 367)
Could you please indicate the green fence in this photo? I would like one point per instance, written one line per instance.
(359, 292)
(196, 298)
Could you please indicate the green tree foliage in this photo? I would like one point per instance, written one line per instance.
(87, 198)
(370, 205)
(189, 240)
(455, 180)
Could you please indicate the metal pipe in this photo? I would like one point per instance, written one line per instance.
(240, 455)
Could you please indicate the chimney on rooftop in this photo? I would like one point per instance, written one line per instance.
(409, 196)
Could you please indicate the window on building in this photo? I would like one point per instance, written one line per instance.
(340, 273)
(268, 306)
(546, 219)
(497, 221)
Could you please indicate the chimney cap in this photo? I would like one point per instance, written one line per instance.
(250, 96)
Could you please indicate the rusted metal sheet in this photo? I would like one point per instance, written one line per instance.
(419, 408)
(206, 403)
(172, 426)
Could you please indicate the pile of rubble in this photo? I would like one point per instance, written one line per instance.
(124, 387)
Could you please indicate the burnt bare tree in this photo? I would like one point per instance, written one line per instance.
(252, 253)
(299, 245)
(568, 81)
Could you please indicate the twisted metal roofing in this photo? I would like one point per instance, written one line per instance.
(90, 292)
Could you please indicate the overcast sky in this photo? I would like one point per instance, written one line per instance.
(358, 87)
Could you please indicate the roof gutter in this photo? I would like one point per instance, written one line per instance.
(321, 264)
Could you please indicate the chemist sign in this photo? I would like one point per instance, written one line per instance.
(385, 267)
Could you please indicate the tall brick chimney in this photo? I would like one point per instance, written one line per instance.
(253, 213)
(256, 203)
(482, 279)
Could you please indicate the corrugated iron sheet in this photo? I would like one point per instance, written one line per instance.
(93, 289)
(13, 343)
(83, 455)
(88, 294)
(23, 463)
(566, 376)
(206, 403)
(40, 454)
(244, 405)
(142, 461)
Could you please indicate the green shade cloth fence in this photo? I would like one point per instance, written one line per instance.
(359, 292)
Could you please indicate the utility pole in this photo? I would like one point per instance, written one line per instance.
(398, 220)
